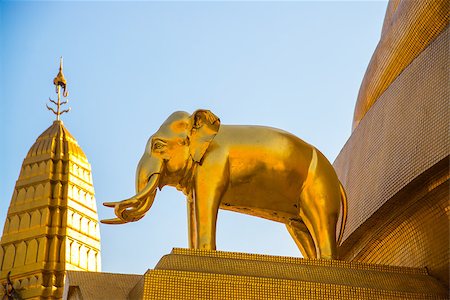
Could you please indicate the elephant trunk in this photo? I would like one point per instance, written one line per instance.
(147, 180)
(144, 200)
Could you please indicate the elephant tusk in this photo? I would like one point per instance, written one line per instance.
(148, 188)
(131, 201)
(124, 203)
(112, 221)
(121, 204)
(138, 212)
(134, 208)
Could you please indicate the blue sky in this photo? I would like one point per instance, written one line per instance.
(291, 65)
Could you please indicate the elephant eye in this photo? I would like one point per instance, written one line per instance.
(158, 145)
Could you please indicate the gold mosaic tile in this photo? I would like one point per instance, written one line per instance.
(201, 274)
(395, 170)
(409, 27)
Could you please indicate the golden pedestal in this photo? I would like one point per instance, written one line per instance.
(199, 274)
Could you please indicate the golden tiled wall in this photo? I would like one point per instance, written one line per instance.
(82, 285)
(397, 157)
(402, 135)
(203, 274)
(408, 28)
(188, 285)
(414, 234)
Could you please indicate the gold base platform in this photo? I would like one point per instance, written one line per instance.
(200, 274)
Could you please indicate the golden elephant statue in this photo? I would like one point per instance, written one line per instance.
(255, 170)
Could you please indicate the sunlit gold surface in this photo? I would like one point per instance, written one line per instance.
(205, 274)
(409, 27)
(82, 285)
(52, 222)
(208, 274)
(255, 170)
(411, 229)
(395, 169)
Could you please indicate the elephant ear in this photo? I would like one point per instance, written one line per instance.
(204, 127)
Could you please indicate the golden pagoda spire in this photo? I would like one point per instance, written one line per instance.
(60, 82)
(52, 221)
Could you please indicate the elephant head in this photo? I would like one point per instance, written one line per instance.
(170, 157)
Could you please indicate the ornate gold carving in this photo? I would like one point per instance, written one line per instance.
(60, 82)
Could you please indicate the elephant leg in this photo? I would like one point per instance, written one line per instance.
(320, 203)
(192, 230)
(302, 238)
(206, 211)
(210, 184)
(321, 222)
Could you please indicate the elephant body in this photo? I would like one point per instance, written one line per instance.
(256, 170)
(261, 179)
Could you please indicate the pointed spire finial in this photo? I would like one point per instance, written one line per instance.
(60, 82)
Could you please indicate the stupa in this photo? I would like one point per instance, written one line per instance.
(52, 222)
(394, 168)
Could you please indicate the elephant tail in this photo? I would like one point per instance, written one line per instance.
(344, 213)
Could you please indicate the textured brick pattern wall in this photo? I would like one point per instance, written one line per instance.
(188, 285)
(201, 274)
(403, 134)
(99, 286)
(409, 26)
(197, 260)
(395, 170)
(415, 235)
